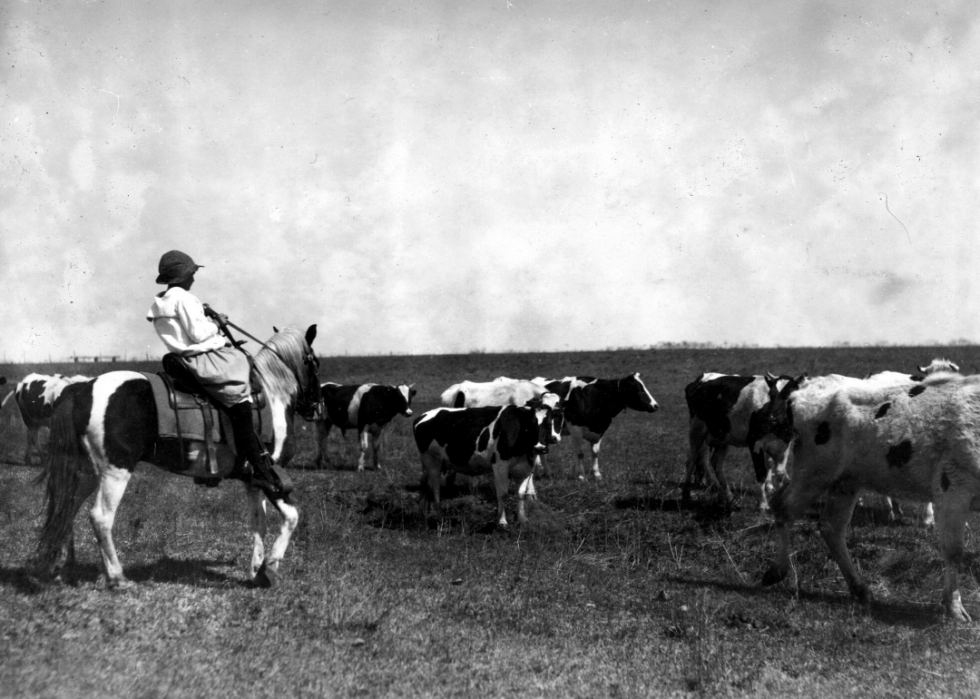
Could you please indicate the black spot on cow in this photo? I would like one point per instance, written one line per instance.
(916, 390)
(944, 482)
(900, 454)
(823, 433)
(882, 411)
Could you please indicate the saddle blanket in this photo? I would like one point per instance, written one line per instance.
(195, 417)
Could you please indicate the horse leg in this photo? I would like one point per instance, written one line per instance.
(257, 518)
(951, 514)
(268, 573)
(836, 516)
(112, 485)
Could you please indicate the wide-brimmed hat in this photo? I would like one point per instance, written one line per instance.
(176, 267)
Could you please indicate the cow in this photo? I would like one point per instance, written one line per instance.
(501, 391)
(590, 405)
(36, 396)
(502, 440)
(936, 366)
(723, 409)
(913, 440)
(367, 408)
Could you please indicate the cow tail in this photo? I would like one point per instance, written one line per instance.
(62, 473)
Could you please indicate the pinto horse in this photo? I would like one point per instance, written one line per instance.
(101, 432)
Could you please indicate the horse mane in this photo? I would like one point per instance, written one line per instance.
(280, 362)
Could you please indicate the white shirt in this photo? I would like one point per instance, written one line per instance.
(178, 317)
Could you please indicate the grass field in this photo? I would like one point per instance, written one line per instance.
(612, 590)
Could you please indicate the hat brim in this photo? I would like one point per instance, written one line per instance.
(165, 278)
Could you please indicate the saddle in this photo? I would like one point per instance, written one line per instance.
(194, 434)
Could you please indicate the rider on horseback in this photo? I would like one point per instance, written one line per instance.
(221, 368)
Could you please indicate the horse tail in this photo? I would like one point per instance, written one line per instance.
(61, 470)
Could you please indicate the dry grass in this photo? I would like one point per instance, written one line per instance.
(612, 590)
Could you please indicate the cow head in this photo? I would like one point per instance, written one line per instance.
(939, 366)
(775, 419)
(544, 417)
(635, 395)
(408, 392)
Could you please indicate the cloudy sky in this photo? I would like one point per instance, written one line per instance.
(425, 177)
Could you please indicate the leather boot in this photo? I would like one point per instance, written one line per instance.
(265, 475)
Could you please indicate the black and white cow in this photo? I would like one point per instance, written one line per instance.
(368, 408)
(722, 410)
(36, 396)
(590, 405)
(503, 441)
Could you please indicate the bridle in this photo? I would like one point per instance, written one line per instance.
(309, 402)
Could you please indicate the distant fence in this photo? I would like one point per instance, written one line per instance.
(95, 358)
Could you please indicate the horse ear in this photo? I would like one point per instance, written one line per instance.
(275, 329)
(311, 334)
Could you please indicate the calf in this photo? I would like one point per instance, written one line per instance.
(723, 410)
(368, 408)
(590, 405)
(476, 441)
(914, 440)
(36, 396)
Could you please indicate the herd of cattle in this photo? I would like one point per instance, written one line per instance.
(909, 436)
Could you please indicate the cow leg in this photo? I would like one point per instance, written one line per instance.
(718, 469)
(834, 520)
(364, 439)
(788, 502)
(761, 477)
(576, 436)
(595, 459)
(526, 490)
(32, 446)
(696, 457)
(951, 514)
(268, 573)
(376, 433)
(501, 480)
(322, 430)
(431, 475)
(930, 518)
(894, 509)
(109, 493)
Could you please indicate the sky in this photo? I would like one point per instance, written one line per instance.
(444, 177)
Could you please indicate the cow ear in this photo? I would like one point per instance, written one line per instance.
(922, 369)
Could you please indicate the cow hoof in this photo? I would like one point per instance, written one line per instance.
(955, 609)
(265, 577)
(119, 585)
(773, 576)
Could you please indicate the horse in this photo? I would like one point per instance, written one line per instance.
(101, 432)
